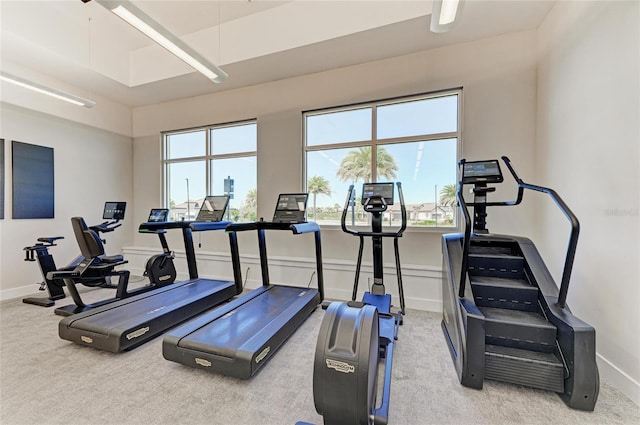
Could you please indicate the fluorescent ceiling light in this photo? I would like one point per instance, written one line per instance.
(444, 13)
(76, 100)
(448, 12)
(146, 25)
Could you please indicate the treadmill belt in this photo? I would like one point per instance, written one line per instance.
(237, 339)
(225, 335)
(127, 323)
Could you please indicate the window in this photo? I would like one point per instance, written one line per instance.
(214, 160)
(413, 140)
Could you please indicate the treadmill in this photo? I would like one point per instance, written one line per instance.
(237, 339)
(130, 322)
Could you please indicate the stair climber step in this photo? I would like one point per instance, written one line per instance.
(498, 265)
(523, 367)
(498, 292)
(518, 329)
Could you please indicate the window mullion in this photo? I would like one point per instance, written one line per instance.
(207, 166)
(374, 138)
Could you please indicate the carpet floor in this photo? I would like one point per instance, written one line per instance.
(46, 380)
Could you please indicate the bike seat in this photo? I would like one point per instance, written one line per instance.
(50, 240)
(111, 258)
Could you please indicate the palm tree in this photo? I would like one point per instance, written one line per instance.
(250, 205)
(448, 195)
(318, 185)
(357, 165)
(251, 199)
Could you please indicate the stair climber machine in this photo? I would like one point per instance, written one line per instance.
(504, 316)
(113, 213)
(356, 338)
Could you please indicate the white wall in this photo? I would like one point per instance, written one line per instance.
(91, 166)
(499, 80)
(587, 148)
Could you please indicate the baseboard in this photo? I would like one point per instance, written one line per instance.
(21, 292)
(616, 377)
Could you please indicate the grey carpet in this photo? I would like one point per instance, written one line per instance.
(45, 380)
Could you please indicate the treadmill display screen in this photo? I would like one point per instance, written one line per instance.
(114, 210)
(295, 202)
(481, 172)
(291, 208)
(375, 191)
(213, 208)
(158, 215)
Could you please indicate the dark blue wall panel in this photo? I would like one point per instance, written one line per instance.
(33, 185)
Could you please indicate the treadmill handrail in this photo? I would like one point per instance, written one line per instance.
(260, 227)
(296, 228)
(573, 237)
(203, 226)
(196, 226)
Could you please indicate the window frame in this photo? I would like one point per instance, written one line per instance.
(375, 142)
(207, 158)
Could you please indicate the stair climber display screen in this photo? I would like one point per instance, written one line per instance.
(481, 171)
(504, 316)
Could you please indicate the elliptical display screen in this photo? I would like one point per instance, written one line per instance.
(213, 208)
(481, 172)
(377, 191)
(114, 210)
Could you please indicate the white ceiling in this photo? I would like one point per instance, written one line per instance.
(87, 47)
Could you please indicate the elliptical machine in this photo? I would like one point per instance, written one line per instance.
(113, 213)
(356, 336)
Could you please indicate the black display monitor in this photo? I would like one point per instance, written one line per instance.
(158, 215)
(114, 210)
(213, 208)
(481, 172)
(377, 191)
(291, 208)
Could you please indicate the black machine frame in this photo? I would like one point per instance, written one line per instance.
(55, 286)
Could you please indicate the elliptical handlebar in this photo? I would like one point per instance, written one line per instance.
(343, 219)
(397, 233)
(573, 237)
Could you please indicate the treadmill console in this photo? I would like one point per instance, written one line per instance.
(213, 208)
(291, 208)
(474, 172)
(158, 215)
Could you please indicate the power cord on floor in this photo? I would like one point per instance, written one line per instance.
(310, 279)
(246, 277)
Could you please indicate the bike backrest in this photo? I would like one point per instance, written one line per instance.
(88, 240)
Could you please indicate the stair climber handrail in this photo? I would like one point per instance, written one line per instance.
(467, 233)
(573, 237)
